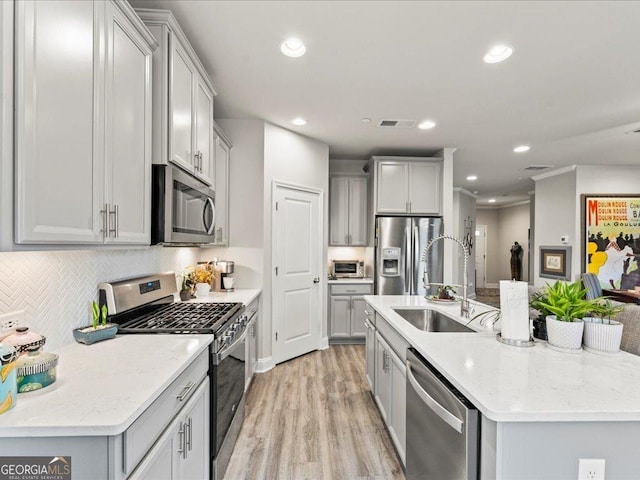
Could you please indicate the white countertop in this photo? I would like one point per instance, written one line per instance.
(351, 280)
(514, 384)
(242, 295)
(102, 388)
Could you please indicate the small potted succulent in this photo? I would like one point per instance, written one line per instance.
(601, 333)
(567, 305)
(99, 330)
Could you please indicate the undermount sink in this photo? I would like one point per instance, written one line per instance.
(431, 320)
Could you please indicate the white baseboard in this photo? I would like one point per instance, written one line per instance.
(324, 343)
(491, 285)
(265, 364)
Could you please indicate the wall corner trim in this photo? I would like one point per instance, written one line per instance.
(554, 172)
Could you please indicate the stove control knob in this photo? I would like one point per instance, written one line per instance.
(227, 338)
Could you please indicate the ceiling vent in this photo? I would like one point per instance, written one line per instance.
(534, 168)
(397, 123)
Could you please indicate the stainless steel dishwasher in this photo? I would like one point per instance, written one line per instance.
(442, 426)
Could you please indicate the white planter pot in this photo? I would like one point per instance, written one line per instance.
(565, 336)
(602, 336)
(202, 289)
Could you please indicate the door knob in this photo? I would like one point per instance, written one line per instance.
(316, 280)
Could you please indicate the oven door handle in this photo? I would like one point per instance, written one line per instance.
(224, 353)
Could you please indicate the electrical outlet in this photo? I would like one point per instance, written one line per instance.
(564, 239)
(591, 469)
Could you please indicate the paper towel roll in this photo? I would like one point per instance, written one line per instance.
(514, 310)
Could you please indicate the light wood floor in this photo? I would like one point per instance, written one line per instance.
(314, 418)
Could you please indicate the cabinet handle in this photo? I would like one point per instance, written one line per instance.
(113, 230)
(189, 430)
(182, 447)
(105, 220)
(385, 361)
(185, 391)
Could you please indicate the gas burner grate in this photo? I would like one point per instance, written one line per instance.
(183, 318)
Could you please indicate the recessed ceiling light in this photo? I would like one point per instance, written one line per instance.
(292, 47)
(471, 178)
(426, 125)
(366, 120)
(497, 54)
(492, 200)
(521, 148)
(475, 192)
(299, 121)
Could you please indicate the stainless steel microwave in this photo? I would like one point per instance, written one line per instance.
(183, 208)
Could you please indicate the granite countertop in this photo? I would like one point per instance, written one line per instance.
(515, 384)
(101, 389)
(242, 295)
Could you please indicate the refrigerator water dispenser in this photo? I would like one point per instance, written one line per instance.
(391, 261)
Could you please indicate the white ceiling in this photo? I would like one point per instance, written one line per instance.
(570, 90)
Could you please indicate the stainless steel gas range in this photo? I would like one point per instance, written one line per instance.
(145, 305)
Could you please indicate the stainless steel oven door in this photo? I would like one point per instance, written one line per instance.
(228, 378)
(183, 208)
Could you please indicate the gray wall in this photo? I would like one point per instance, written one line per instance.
(555, 216)
(505, 225)
(464, 210)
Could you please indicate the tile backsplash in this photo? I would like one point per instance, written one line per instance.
(55, 288)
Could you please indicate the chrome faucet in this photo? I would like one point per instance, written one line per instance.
(465, 306)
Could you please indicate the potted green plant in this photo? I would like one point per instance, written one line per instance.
(567, 306)
(99, 330)
(602, 334)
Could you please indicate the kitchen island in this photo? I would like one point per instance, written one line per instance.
(541, 410)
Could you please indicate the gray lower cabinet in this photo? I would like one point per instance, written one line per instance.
(251, 353)
(86, 133)
(387, 356)
(182, 452)
(347, 311)
(169, 440)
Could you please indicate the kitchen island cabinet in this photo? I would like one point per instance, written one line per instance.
(87, 134)
(541, 410)
(112, 402)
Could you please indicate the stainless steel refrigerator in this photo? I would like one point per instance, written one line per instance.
(400, 242)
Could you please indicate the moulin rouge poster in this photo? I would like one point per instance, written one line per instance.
(612, 227)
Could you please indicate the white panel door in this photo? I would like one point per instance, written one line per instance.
(128, 132)
(358, 212)
(424, 188)
(297, 253)
(194, 462)
(181, 86)
(392, 194)
(481, 255)
(339, 211)
(58, 144)
(204, 159)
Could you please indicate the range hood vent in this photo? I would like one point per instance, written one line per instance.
(397, 123)
(535, 168)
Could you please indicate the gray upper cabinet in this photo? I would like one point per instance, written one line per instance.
(408, 187)
(183, 97)
(348, 210)
(222, 154)
(82, 139)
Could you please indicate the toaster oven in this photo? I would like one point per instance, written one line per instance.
(348, 269)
